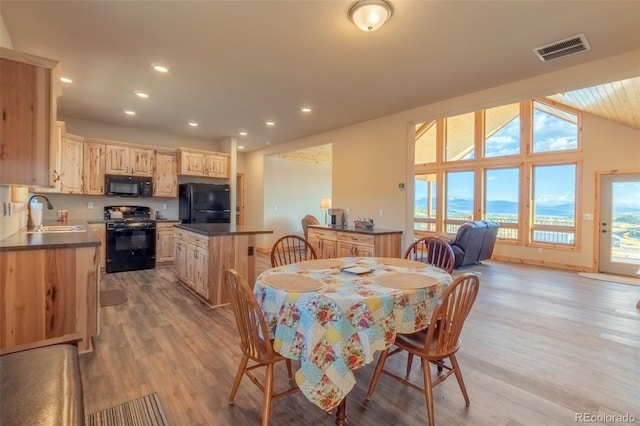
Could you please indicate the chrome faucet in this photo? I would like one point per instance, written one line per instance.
(49, 206)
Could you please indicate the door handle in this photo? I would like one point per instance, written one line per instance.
(604, 231)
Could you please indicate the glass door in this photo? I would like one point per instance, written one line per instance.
(620, 224)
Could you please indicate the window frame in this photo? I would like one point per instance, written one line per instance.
(524, 161)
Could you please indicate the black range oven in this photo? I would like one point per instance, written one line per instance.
(131, 238)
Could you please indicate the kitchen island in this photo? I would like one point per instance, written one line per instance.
(203, 251)
(50, 287)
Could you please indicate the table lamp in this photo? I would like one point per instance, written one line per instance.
(325, 205)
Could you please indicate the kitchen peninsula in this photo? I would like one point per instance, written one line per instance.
(203, 251)
(49, 285)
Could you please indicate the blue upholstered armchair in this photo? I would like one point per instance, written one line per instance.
(474, 242)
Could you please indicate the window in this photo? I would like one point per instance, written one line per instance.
(426, 143)
(501, 200)
(425, 202)
(459, 139)
(460, 199)
(502, 131)
(554, 129)
(526, 151)
(554, 204)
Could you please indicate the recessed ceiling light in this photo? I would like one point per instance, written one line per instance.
(160, 68)
(268, 143)
(129, 112)
(305, 109)
(193, 124)
(141, 94)
(240, 146)
(270, 123)
(66, 80)
(243, 133)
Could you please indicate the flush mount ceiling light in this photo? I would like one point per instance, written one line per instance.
(369, 15)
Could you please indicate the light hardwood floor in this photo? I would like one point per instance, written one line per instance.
(539, 346)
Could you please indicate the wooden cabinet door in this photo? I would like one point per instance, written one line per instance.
(201, 272)
(165, 175)
(180, 260)
(190, 273)
(165, 243)
(116, 160)
(191, 163)
(329, 249)
(71, 158)
(141, 161)
(94, 168)
(27, 127)
(216, 166)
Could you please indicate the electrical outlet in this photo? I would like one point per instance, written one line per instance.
(346, 211)
(381, 213)
(275, 208)
(89, 205)
(164, 206)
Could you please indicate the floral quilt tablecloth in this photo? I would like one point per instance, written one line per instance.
(337, 328)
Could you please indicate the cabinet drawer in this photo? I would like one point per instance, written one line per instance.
(347, 237)
(321, 234)
(200, 241)
(197, 240)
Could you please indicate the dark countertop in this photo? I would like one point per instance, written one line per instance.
(52, 240)
(220, 229)
(353, 229)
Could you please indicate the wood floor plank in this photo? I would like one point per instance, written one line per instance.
(539, 346)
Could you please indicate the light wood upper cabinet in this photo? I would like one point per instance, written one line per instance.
(29, 87)
(125, 160)
(165, 175)
(94, 168)
(71, 160)
(203, 163)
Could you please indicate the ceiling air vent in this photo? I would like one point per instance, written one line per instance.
(558, 49)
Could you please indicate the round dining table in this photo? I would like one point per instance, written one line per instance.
(333, 314)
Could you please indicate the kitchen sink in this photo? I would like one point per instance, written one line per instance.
(57, 228)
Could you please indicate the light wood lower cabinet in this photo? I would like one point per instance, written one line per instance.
(324, 242)
(330, 243)
(200, 262)
(165, 242)
(48, 293)
(192, 261)
(100, 230)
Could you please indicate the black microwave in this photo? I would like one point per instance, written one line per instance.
(127, 186)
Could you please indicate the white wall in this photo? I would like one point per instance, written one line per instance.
(293, 189)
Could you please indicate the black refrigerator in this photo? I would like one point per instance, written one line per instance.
(204, 203)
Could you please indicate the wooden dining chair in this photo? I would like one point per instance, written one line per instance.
(291, 249)
(251, 327)
(440, 341)
(433, 251)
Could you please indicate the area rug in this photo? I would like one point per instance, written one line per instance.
(112, 297)
(145, 411)
(611, 278)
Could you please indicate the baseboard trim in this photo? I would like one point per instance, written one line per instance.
(533, 262)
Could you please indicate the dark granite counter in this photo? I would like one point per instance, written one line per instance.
(353, 229)
(51, 240)
(220, 229)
